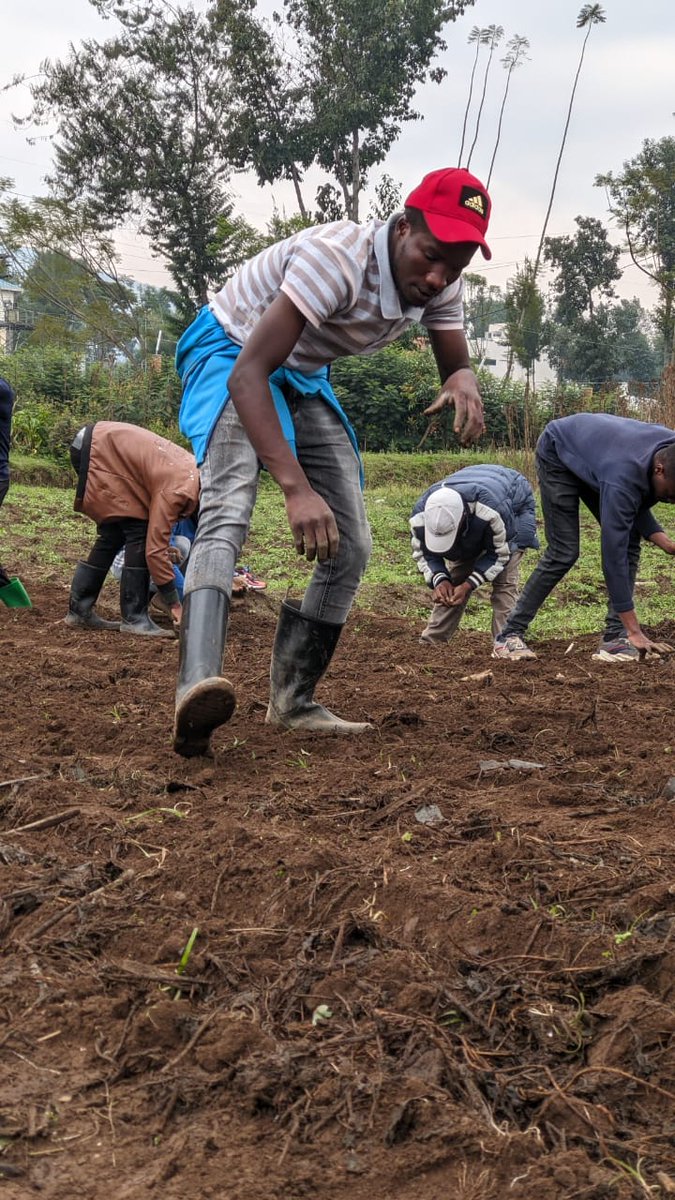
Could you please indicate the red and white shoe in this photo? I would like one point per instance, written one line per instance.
(251, 580)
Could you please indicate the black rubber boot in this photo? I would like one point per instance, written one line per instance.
(204, 698)
(84, 592)
(303, 648)
(134, 601)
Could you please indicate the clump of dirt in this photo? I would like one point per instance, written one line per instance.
(474, 1008)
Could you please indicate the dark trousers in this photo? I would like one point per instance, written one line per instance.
(111, 536)
(561, 492)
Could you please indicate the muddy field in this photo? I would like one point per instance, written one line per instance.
(373, 1007)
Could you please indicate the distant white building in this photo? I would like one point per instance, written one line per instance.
(12, 318)
(496, 356)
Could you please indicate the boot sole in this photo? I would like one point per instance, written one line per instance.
(74, 622)
(313, 724)
(142, 631)
(206, 706)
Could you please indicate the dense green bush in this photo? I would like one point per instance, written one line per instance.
(384, 396)
(57, 392)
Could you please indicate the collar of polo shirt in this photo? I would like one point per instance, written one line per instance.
(390, 301)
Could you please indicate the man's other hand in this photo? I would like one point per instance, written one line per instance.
(460, 391)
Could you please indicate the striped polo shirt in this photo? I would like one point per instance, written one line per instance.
(339, 277)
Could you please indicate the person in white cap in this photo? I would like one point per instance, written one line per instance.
(470, 529)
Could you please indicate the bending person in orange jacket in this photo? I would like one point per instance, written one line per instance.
(135, 485)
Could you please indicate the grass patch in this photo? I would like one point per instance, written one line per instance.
(33, 471)
(40, 532)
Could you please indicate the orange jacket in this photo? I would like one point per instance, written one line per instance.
(135, 473)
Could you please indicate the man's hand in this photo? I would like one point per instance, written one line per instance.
(646, 646)
(460, 391)
(461, 594)
(313, 525)
(443, 593)
(663, 542)
(176, 613)
(174, 555)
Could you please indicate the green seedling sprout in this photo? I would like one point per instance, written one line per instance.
(634, 1173)
(185, 958)
(321, 1014)
(620, 938)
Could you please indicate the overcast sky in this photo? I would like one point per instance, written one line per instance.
(626, 93)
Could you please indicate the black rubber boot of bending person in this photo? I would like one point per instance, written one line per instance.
(134, 601)
(84, 592)
(303, 648)
(204, 698)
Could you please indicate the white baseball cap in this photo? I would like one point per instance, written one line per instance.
(443, 514)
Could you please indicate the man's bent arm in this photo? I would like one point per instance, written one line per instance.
(268, 347)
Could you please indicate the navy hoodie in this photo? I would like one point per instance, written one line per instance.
(614, 457)
(499, 518)
(6, 405)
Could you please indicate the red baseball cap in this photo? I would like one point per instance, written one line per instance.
(455, 205)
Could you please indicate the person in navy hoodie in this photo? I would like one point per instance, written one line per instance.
(6, 406)
(470, 529)
(619, 468)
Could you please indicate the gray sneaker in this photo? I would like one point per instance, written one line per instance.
(512, 647)
(617, 650)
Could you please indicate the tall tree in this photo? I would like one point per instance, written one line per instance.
(359, 67)
(581, 345)
(587, 267)
(590, 15)
(268, 119)
(641, 198)
(494, 36)
(516, 55)
(388, 198)
(151, 122)
(478, 37)
(142, 131)
(69, 271)
(524, 305)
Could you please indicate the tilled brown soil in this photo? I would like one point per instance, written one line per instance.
(373, 1008)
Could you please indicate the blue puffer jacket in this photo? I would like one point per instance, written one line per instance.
(499, 519)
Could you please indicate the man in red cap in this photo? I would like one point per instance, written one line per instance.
(265, 343)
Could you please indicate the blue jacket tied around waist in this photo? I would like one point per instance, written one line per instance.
(205, 357)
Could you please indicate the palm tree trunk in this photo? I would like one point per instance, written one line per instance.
(499, 124)
(493, 47)
(560, 154)
(356, 175)
(468, 102)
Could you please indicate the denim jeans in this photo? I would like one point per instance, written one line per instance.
(229, 481)
(560, 493)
